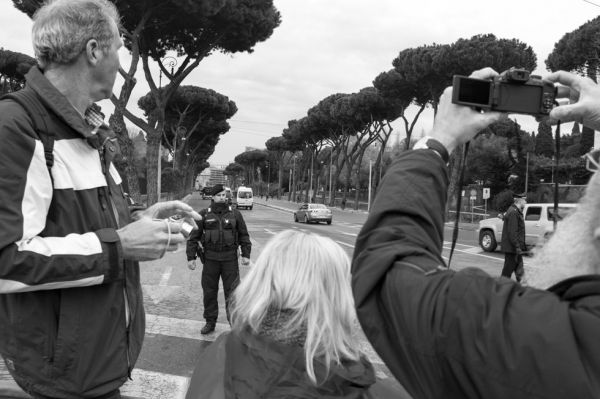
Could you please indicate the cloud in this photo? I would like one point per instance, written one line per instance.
(325, 47)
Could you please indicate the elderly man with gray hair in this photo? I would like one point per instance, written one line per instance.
(71, 307)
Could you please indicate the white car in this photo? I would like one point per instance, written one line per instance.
(539, 225)
(313, 213)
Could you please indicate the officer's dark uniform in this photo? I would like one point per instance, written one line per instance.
(220, 232)
(513, 242)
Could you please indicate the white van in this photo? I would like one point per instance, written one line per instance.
(244, 197)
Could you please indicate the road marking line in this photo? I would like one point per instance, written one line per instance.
(270, 232)
(343, 243)
(349, 234)
(165, 277)
(185, 328)
(154, 385)
(478, 254)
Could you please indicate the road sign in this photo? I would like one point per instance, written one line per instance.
(473, 197)
(486, 192)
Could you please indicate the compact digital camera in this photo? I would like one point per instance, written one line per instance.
(514, 91)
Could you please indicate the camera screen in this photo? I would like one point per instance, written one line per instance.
(522, 98)
(474, 91)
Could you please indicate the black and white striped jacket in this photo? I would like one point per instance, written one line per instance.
(71, 311)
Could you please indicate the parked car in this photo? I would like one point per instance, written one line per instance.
(313, 213)
(539, 225)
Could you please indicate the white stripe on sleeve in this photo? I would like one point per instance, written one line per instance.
(37, 195)
(72, 244)
(11, 286)
(76, 165)
(115, 174)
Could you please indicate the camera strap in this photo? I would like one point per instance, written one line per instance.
(461, 179)
(556, 156)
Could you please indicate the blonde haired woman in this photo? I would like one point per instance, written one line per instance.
(293, 317)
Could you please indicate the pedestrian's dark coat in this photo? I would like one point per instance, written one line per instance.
(464, 334)
(251, 366)
(513, 230)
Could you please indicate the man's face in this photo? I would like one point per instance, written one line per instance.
(220, 198)
(105, 72)
(521, 203)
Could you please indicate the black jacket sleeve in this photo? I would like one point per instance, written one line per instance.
(242, 235)
(193, 245)
(456, 334)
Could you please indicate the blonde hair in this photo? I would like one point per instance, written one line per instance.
(62, 28)
(309, 276)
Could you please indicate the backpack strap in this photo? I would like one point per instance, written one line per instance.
(30, 102)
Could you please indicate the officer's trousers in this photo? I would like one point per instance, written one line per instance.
(229, 272)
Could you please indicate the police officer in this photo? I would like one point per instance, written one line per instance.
(220, 233)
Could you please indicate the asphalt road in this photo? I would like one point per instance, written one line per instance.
(173, 297)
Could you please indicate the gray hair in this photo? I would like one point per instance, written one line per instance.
(62, 28)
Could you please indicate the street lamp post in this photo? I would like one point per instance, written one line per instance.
(369, 201)
(310, 191)
(170, 62)
(330, 175)
(268, 177)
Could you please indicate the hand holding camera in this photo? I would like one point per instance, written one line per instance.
(455, 124)
(584, 99)
(158, 229)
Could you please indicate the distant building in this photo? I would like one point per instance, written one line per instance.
(211, 176)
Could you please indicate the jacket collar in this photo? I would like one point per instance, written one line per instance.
(577, 287)
(56, 101)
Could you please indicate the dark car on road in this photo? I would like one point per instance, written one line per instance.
(313, 213)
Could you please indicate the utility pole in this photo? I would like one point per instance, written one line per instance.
(330, 176)
(369, 201)
(171, 62)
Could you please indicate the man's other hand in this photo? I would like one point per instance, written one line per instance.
(584, 100)
(456, 124)
(149, 239)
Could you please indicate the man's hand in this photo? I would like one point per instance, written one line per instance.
(245, 261)
(456, 124)
(177, 209)
(192, 264)
(149, 239)
(584, 100)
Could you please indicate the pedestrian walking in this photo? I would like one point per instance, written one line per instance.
(220, 233)
(71, 305)
(513, 238)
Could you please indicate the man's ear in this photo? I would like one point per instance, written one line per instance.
(92, 51)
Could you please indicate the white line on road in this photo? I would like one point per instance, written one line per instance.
(153, 385)
(470, 252)
(343, 243)
(270, 232)
(165, 277)
(190, 329)
(349, 234)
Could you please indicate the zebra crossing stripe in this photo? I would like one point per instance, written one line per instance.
(153, 385)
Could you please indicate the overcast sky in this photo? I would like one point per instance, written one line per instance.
(339, 46)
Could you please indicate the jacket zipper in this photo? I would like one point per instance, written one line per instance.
(114, 217)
